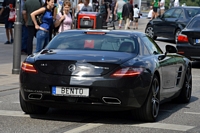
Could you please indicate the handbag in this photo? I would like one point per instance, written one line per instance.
(40, 16)
(12, 15)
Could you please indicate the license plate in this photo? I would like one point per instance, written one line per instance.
(197, 40)
(70, 91)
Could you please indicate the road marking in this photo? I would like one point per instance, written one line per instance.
(16, 102)
(194, 113)
(13, 113)
(165, 126)
(84, 128)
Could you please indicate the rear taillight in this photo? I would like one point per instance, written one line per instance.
(182, 38)
(28, 67)
(128, 72)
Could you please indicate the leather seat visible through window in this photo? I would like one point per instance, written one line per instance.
(126, 47)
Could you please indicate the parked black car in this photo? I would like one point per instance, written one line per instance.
(170, 24)
(104, 70)
(188, 42)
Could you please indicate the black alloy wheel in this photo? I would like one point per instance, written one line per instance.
(149, 111)
(186, 90)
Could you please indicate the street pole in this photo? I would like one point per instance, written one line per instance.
(17, 40)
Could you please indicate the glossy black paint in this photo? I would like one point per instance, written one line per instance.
(130, 91)
(171, 21)
(191, 48)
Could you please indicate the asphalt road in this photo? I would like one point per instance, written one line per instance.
(173, 117)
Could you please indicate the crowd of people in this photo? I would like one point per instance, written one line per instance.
(54, 21)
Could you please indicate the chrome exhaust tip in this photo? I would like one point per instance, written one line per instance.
(111, 100)
(35, 96)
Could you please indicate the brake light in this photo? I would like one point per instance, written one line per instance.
(128, 72)
(28, 67)
(97, 33)
(182, 38)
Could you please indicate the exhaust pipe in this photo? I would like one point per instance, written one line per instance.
(35, 96)
(111, 100)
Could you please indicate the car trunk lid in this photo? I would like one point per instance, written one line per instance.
(80, 62)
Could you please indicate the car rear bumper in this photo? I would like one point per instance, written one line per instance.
(190, 51)
(109, 93)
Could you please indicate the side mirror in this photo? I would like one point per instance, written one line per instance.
(170, 49)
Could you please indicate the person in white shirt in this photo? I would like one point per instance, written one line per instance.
(176, 3)
(136, 17)
(162, 7)
(150, 13)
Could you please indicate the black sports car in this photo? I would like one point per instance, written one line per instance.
(170, 24)
(105, 70)
(188, 42)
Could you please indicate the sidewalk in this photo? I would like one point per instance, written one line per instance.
(11, 81)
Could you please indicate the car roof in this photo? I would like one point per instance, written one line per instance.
(187, 7)
(121, 32)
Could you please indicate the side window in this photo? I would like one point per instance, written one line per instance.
(152, 46)
(168, 14)
(143, 49)
(177, 13)
(182, 15)
(194, 24)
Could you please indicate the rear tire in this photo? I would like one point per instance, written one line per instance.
(30, 108)
(186, 89)
(149, 111)
(150, 32)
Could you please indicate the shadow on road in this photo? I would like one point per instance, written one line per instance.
(196, 64)
(119, 117)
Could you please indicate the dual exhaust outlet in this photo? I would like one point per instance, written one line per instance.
(35, 96)
(107, 100)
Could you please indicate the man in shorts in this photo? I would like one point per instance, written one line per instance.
(155, 4)
(8, 24)
(118, 9)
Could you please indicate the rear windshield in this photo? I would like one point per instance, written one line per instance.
(100, 42)
(194, 23)
(192, 12)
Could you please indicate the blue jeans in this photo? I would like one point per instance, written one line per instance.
(42, 40)
(24, 38)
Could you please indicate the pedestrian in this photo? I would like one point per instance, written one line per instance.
(29, 7)
(113, 4)
(162, 7)
(24, 34)
(79, 6)
(53, 30)
(176, 3)
(127, 13)
(64, 18)
(118, 11)
(42, 34)
(155, 5)
(87, 7)
(6, 7)
(105, 12)
(150, 13)
(136, 17)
